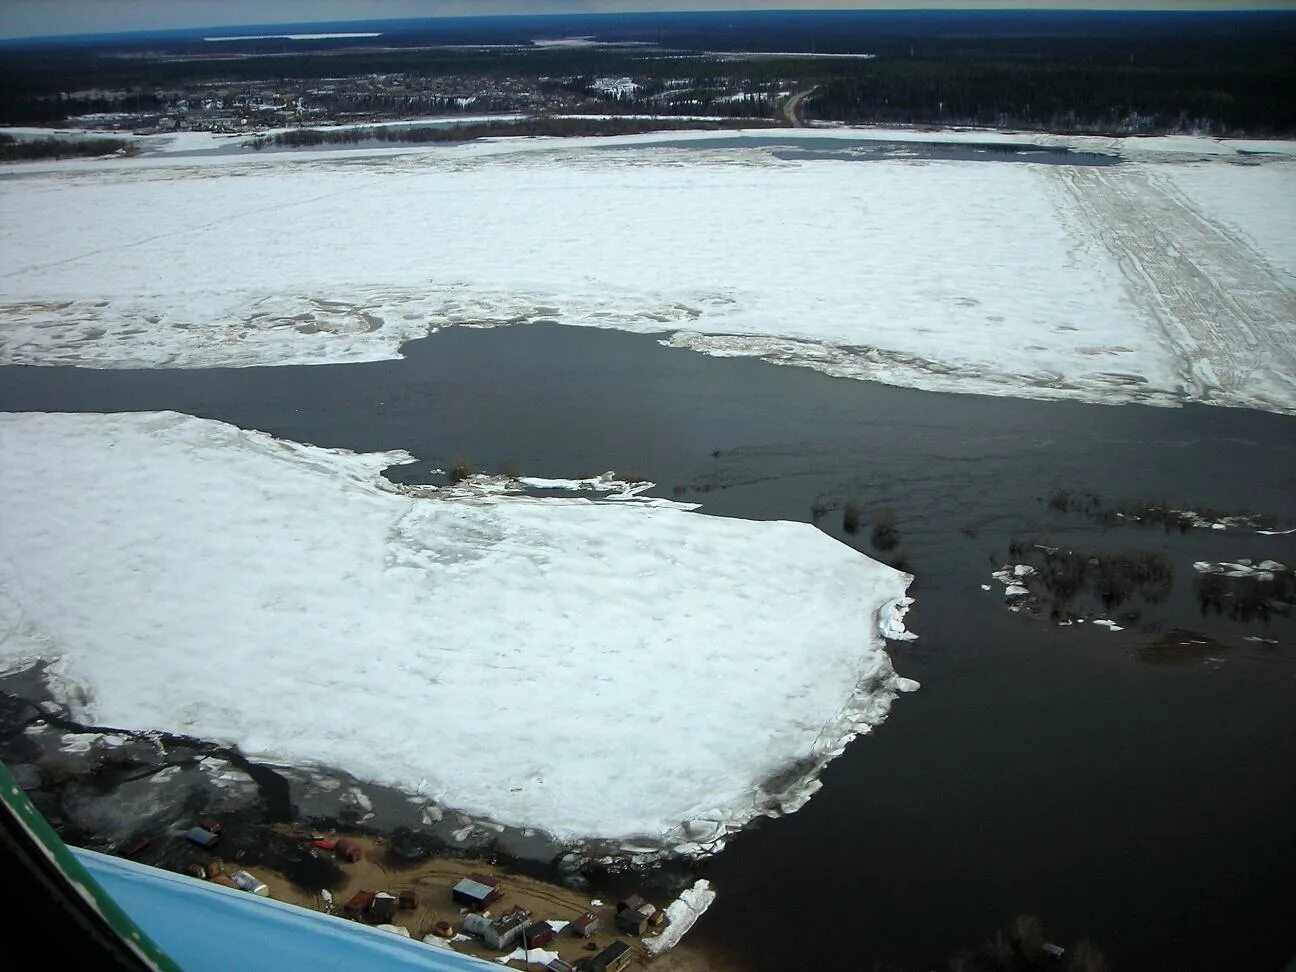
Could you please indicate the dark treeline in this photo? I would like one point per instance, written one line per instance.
(1062, 97)
(1222, 73)
(18, 108)
(557, 127)
(24, 150)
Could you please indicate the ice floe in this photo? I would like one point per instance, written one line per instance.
(1045, 281)
(542, 662)
(681, 914)
(1263, 571)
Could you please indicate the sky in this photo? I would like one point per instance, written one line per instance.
(36, 18)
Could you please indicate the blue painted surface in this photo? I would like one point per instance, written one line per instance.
(208, 928)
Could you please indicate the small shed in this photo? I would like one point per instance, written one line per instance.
(476, 893)
(614, 958)
(537, 935)
(382, 909)
(348, 850)
(505, 931)
(631, 920)
(475, 925)
(585, 926)
(408, 899)
(358, 904)
(558, 965)
(203, 838)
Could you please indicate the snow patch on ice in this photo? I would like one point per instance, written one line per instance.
(337, 602)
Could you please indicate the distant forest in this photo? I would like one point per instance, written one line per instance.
(26, 150)
(1220, 73)
(1064, 97)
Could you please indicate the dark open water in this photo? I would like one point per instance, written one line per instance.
(1053, 771)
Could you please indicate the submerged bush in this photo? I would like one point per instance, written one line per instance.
(461, 470)
(851, 518)
(1023, 947)
(1111, 578)
(885, 534)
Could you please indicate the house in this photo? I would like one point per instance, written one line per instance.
(348, 850)
(537, 935)
(382, 909)
(614, 958)
(507, 930)
(632, 920)
(408, 899)
(558, 965)
(585, 926)
(476, 892)
(500, 933)
(632, 903)
(358, 904)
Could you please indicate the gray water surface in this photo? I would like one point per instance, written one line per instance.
(1043, 770)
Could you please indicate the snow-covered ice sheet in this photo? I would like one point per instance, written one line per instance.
(1144, 281)
(1254, 201)
(543, 662)
(681, 915)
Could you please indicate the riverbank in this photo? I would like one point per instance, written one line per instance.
(382, 869)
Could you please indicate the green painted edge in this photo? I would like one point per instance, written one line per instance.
(78, 878)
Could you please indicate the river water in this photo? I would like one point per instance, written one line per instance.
(1138, 797)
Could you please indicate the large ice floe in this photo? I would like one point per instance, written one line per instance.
(542, 662)
(1168, 277)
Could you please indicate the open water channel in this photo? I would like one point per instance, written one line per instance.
(1134, 794)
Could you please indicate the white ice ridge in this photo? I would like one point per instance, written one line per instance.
(544, 662)
(681, 914)
(1158, 279)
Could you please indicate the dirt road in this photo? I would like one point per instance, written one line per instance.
(792, 108)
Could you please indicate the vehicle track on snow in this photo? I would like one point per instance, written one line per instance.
(1225, 313)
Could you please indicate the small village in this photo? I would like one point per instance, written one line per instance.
(457, 904)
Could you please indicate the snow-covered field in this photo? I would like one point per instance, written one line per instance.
(551, 663)
(1165, 278)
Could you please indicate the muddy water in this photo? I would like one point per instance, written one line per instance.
(1073, 773)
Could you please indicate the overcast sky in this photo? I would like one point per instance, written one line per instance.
(34, 18)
